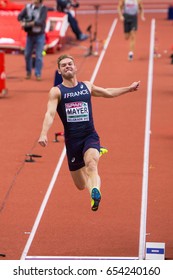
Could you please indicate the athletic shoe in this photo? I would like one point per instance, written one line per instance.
(130, 56)
(28, 76)
(95, 199)
(38, 78)
(83, 37)
(103, 151)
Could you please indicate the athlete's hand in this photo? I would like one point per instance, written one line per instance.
(43, 140)
(143, 18)
(122, 18)
(134, 86)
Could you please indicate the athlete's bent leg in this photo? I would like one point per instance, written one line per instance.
(91, 159)
(132, 40)
(88, 177)
(127, 36)
(80, 178)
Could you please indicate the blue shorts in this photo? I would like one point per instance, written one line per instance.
(77, 147)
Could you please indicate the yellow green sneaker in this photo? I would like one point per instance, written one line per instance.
(103, 150)
(95, 199)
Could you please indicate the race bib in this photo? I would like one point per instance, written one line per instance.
(77, 111)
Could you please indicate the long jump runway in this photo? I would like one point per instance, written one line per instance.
(43, 215)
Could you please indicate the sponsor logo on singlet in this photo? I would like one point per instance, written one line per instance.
(131, 7)
(77, 111)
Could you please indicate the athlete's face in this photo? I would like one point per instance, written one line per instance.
(67, 68)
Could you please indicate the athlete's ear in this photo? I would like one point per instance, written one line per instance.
(59, 72)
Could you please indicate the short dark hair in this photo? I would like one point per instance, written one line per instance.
(63, 56)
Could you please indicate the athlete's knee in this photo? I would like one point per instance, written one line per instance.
(91, 164)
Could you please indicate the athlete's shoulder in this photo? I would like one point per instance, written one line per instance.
(54, 92)
(88, 84)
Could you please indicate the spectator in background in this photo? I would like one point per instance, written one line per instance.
(3, 3)
(128, 13)
(65, 6)
(33, 21)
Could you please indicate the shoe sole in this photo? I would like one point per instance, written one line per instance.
(95, 199)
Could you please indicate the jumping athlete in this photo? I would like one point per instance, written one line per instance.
(72, 101)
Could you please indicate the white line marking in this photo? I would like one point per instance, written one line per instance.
(103, 51)
(78, 258)
(43, 205)
(112, 12)
(51, 185)
(142, 237)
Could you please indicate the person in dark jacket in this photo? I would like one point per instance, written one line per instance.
(65, 6)
(33, 21)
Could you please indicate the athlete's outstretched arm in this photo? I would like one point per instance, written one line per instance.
(50, 115)
(141, 10)
(111, 92)
(120, 9)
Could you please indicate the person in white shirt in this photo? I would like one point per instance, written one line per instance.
(128, 11)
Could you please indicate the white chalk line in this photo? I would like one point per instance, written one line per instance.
(144, 202)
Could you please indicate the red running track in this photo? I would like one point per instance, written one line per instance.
(68, 227)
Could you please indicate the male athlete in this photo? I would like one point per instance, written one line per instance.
(72, 101)
(128, 11)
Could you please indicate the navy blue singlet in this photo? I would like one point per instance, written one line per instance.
(75, 110)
